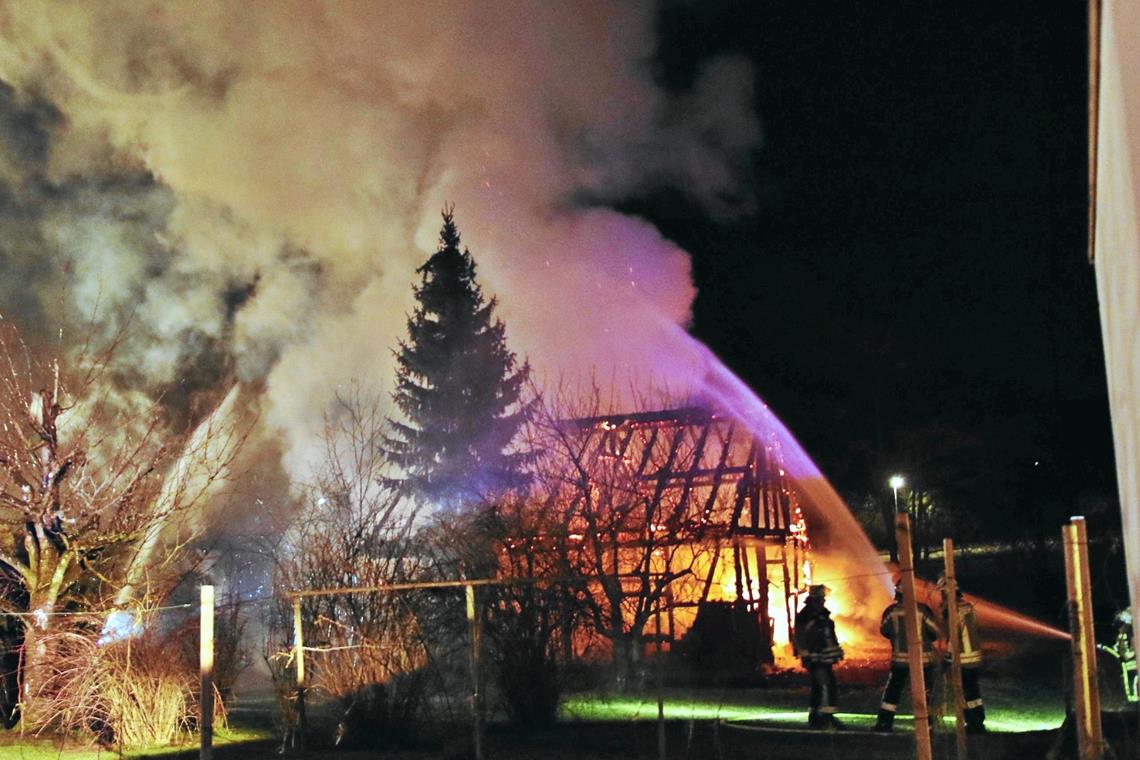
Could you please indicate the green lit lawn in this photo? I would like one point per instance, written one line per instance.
(13, 747)
(780, 708)
(644, 707)
(1010, 709)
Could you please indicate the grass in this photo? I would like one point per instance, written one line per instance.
(13, 746)
(787, 708)
(1011, 708)
(644, 707)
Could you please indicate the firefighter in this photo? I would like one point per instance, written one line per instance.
(970, 647)
(819, 649)
(1124, 653)
(893, 626)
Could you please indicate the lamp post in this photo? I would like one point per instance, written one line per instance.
(896, 482)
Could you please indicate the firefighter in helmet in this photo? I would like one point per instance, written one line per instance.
(893, 626)
(1124, 653)
(970, 647)
(819, 649)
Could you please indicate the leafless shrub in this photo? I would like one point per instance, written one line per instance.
(279, 662)
(130, 693)
(95, 491)
(529, 623)
(231, 650)
(363, 649)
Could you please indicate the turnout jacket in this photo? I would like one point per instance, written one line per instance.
(969, 640)
(893, 626)
(815, 635)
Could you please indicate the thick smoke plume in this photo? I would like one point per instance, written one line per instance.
(253, 184)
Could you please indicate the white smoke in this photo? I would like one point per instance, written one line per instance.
(301, 151)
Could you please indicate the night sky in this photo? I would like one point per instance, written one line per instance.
(911, 291)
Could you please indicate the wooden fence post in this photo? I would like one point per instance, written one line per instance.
(299, 664)
(206, 673)
(955, 639)
(474, 635)
(1086, 692)
(913, 639)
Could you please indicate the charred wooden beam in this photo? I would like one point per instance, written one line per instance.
(718, 474)
(687, 488)
(665, 471)
(647, 454)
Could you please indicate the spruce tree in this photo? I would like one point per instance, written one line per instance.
(458, 387)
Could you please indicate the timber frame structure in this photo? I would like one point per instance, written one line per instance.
(714, 483)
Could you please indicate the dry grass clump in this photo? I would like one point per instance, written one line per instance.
(138, 692)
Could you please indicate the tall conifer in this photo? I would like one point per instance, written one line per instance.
(458, 387)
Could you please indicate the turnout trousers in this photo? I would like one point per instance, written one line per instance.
(975, 711)
(824, 696)
(898, 680)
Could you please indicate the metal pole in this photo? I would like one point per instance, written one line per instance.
(1086, 693)
(913, 639)
(473, 632)
(206, 672)
(299, 663)
(955, 639)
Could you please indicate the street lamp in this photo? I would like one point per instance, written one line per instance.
(896, 482)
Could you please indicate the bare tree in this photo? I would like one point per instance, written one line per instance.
(93, 492)
(630, 536)
(352, 531)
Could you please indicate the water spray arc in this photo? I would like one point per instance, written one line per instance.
(204, 460)
(842, 555)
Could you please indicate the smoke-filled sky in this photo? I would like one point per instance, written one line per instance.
(253, 184)
(895, 262)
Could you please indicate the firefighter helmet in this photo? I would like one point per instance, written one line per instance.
(942, 587)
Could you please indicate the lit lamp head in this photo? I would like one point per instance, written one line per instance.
(896, 482)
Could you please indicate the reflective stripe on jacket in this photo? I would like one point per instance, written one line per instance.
(893, 626)
(970, 642)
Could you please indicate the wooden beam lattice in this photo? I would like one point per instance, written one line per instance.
(730, 496)
(717, 475)
(690, 474)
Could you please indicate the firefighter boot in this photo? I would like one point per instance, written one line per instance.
(975, 716)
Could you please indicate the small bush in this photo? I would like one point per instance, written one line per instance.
(129, 693)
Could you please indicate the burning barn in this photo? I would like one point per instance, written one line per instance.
(696, 517)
